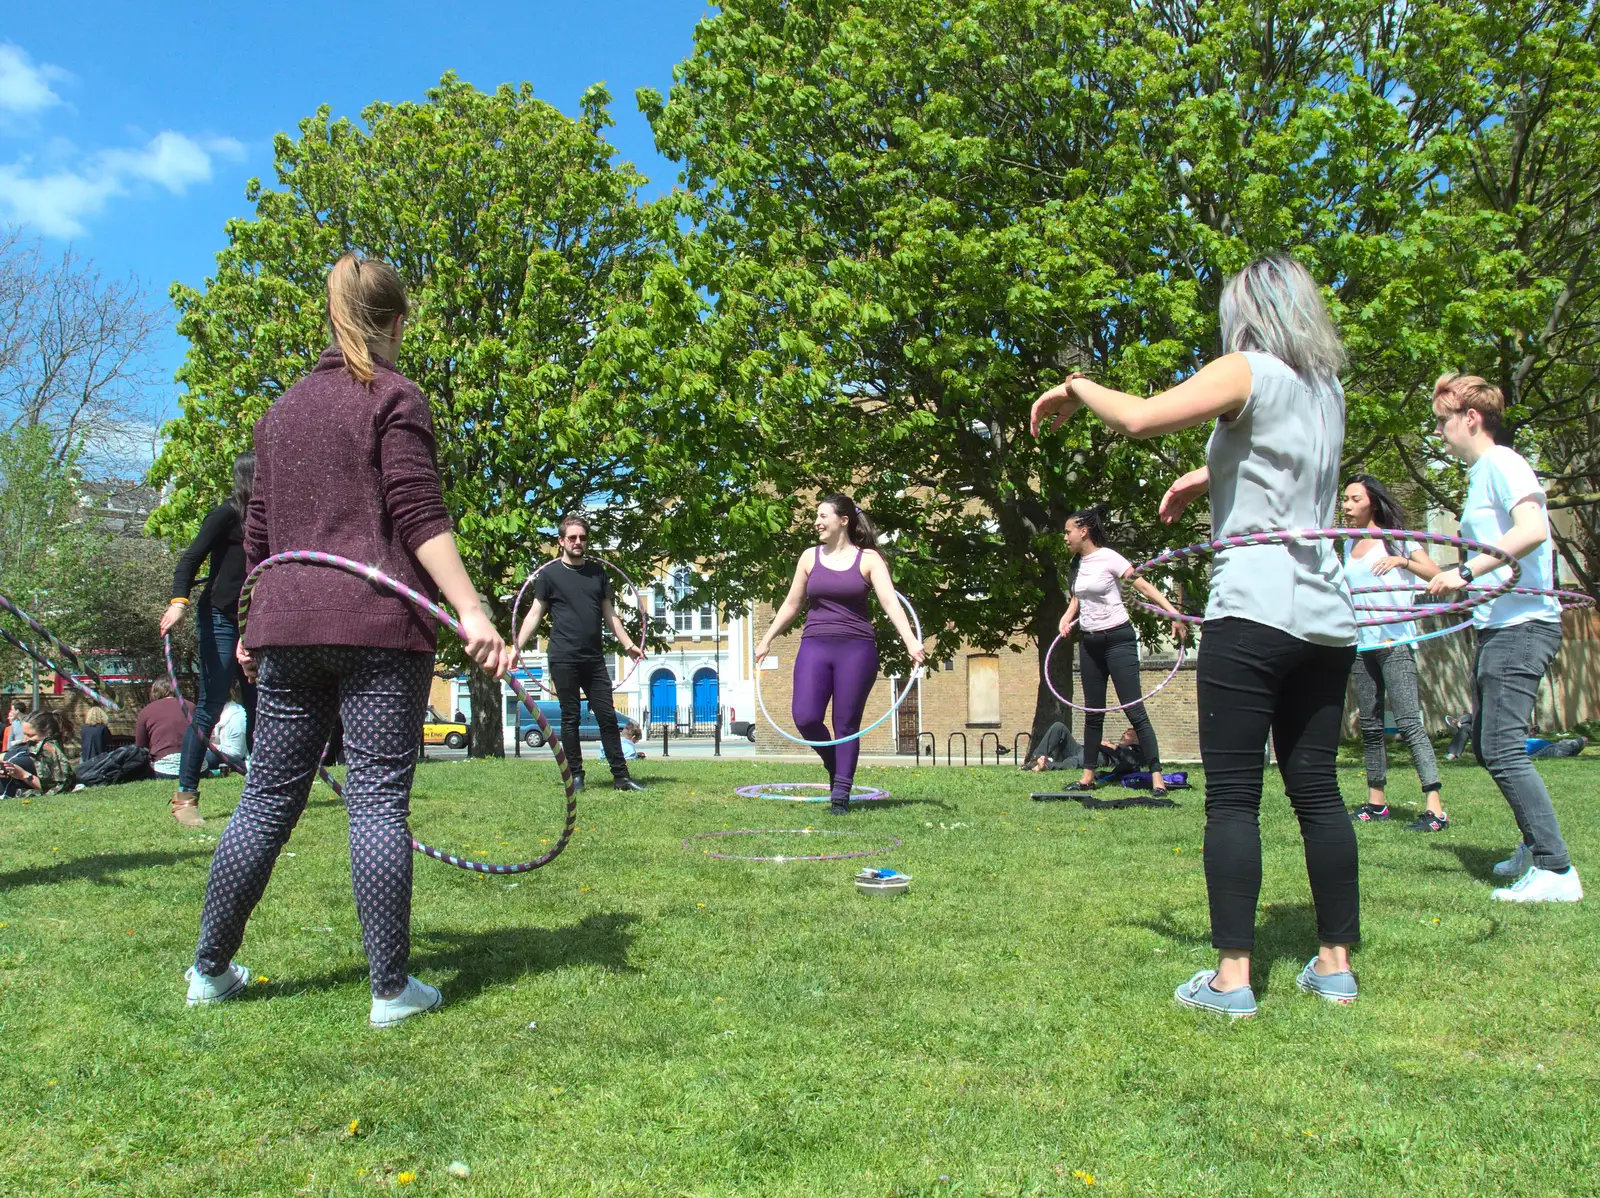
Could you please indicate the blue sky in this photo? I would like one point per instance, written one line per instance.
(130, 129)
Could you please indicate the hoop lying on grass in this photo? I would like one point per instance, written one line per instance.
(781, 792)
(688, 842)
(378, 578)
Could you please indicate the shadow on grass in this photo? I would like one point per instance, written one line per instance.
(1479, 862)
(102, 869)
(494, 957)
(1282, 930)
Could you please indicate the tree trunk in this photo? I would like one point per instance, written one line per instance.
(488, 715)
(1047, 708)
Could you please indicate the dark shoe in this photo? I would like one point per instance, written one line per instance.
(625, 784)
(1368, 812)
(1429, 822)
(577, 783)
(839, 808)
(1074, 788)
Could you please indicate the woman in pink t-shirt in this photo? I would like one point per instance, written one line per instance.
(1107, 645)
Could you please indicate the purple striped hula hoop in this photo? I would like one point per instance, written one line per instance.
(688, 842)
(1569, 601)
(64, 673)
(67, 652)
(870, 794)
(1160, 686)
(644, 619)
(375, 576)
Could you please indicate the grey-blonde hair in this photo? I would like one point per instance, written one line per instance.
(1274, 306)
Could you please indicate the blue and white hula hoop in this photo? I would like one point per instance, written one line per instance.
(911, 682)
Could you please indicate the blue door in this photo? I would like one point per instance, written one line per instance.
(705, 696)
(663, 697)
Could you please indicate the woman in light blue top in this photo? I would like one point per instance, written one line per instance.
(1386, 666)
(1279, 635)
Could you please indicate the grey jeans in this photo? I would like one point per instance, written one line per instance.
(1505, 682)
(1391, 674)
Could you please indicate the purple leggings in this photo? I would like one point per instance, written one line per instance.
(842, 669)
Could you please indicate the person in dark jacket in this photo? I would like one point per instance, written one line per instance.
(345, 464)
(221, 539)
(96, 736)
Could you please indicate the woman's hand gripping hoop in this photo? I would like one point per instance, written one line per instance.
(911, 682)
(644, 618)
(377, 578)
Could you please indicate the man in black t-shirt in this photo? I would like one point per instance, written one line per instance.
(577, 594)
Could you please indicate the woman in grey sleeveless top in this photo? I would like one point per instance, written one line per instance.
(1279, 635)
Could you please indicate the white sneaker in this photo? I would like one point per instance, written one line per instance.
(1517, 864)
(415, 999)
(1542, 886)
(224, 986)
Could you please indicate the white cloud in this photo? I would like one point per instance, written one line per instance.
(58, 203)
(24, 87)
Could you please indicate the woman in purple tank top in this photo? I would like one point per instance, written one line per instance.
(838, 658)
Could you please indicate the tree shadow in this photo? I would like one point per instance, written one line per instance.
(101, 869)
(1477, 861)
(493, 957)
(1282, 930)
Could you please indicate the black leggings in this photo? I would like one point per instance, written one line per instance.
(1251, 680)
(1115, 651)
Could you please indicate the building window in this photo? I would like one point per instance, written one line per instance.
(683, 620)
(983, 689)
(708, 618)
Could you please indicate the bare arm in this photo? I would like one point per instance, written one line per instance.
(1217, 390)
(1069, 617)
(883, 587)
(608, 613)
(1149, 590)
(530, 623)
(1529, 529)
(789, 608)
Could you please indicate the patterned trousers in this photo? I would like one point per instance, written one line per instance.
(382, 695)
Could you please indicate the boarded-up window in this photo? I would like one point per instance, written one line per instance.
(983, 689)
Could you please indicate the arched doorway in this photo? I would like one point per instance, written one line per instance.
(705, 695)
(663, 697)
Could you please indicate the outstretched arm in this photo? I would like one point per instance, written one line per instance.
(788, 609)
(1217, 390)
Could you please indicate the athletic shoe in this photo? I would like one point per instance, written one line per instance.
(1429, 822)
(1517, 864)
(1368, 812)
(625, 784)
(1334, 987)
(1542, 886)
(415, 999)
(204, 990)
(1197, 993)
(577, 782)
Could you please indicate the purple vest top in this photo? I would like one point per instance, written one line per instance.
(836, 601)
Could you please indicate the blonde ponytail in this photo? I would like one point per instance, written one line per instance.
(364, 297)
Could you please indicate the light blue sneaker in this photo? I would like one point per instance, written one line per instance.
(1334, 987)
(416, 999)
(205, 990)
(1197, 993)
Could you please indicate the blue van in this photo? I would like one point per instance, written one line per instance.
(528, 727)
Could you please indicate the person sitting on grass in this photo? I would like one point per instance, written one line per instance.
(36, 761)
(1059, 751)
(160, 728)
(632, 734)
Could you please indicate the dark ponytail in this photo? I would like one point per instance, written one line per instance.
(857, 526)
(244, 480)
(50, 725)
(1093, 521)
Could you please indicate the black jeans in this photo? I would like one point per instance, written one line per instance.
(1115, 652)
(595, 681)
(1252, 680)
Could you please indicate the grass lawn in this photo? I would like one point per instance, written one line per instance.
(641, 1019)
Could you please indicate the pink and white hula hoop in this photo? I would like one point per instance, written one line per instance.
(1160, 686)
(644, 619)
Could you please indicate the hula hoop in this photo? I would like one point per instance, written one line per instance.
(68, 653)
(871, 794)
(1568, 600)
(688, 842)
(373, 575)
(62, 672)
(644, 619)
(911, 682)
(1160, 686)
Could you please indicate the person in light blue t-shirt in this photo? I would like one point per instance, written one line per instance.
(1518, 635)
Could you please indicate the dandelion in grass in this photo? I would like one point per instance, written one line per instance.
(355, 1126)
(406, 1178)
(1086, 1178)
(262, 981)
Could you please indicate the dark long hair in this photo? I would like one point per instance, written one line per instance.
(50, 725)
(1386, 509)
(857, 525)
(244, 480)
(1093, 521)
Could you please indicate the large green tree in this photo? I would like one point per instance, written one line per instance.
(910, 217)
(527, 256)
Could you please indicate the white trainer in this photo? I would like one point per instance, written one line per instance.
(415, 999)
(225, 985)
(1542, 886)
(1517, 864)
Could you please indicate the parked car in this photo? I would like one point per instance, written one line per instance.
(744, 728)
(528, 729)
(439, 730)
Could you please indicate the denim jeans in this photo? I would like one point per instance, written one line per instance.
(218, 634)
(1505, 683)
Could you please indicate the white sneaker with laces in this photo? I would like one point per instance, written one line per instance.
(415, 999)
(225, 985)
(1542, 886)
(1517, 864)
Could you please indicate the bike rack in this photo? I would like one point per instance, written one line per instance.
(947, 741)
(933, 747)
(1019, 760)
(983, 742)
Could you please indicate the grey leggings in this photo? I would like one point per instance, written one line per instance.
(1505, 682)
(1392, 674)
(382, 695)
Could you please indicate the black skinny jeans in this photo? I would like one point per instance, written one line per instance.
(1252, 680)
(595, 681)
(1115, 652)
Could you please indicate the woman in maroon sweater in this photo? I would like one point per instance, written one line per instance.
(345, 464)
